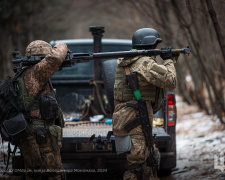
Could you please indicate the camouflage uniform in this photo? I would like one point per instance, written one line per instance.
(150, 75)
(42, 156)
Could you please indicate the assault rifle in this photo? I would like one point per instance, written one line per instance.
(73, 58)
(141, 119)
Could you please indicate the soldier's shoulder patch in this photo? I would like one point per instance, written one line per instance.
(159, 69)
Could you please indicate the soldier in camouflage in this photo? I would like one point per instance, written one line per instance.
(150, 76)
(42, 156)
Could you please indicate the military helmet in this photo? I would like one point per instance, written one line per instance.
(146, 37)
(38, 47)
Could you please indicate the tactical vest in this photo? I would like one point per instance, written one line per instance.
(149, 92)
(26, 99)
(123, 92)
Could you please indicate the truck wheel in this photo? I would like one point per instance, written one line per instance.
(109, 71)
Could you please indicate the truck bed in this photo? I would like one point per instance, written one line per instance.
(86, 129)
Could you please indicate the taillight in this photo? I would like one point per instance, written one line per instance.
(171, 110)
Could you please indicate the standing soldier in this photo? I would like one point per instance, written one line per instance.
(151, 79)
(41, 150)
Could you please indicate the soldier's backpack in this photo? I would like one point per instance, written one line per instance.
(13, 125)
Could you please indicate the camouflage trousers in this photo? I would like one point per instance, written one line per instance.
(137, 157)
(41, 160)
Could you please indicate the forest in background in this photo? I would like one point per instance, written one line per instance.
(201, 78)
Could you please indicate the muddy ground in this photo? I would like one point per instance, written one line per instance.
(200, 143)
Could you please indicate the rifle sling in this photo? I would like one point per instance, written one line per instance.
(35, 98)
(135, 122)
(20, 72)
(8, 158)
(132, 124)
(37, 95)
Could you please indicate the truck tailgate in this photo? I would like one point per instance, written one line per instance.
(86, 129)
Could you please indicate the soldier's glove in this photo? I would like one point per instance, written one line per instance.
(166, 53)
(41, 135)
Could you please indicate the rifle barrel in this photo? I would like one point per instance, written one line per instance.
(73, 58)
(84, 57)
(117, 54)
(151, 52)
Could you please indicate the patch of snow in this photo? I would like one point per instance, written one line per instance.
(197, 115)
(198, 140)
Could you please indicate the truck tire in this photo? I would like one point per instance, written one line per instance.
(109, 71)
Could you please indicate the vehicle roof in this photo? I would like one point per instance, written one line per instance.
(90, 41)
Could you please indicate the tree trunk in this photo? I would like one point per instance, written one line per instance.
(216, 26)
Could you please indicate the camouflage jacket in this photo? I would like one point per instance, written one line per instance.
(148, 73)
(36, 76)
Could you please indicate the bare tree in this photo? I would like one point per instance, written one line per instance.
(216, 25)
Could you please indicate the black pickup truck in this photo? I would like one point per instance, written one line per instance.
(81, 150)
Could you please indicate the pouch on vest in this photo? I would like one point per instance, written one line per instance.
(15, 128)
(56, 137)
(41, 135)
(123, 144)
(49, 107)
(59, 121)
